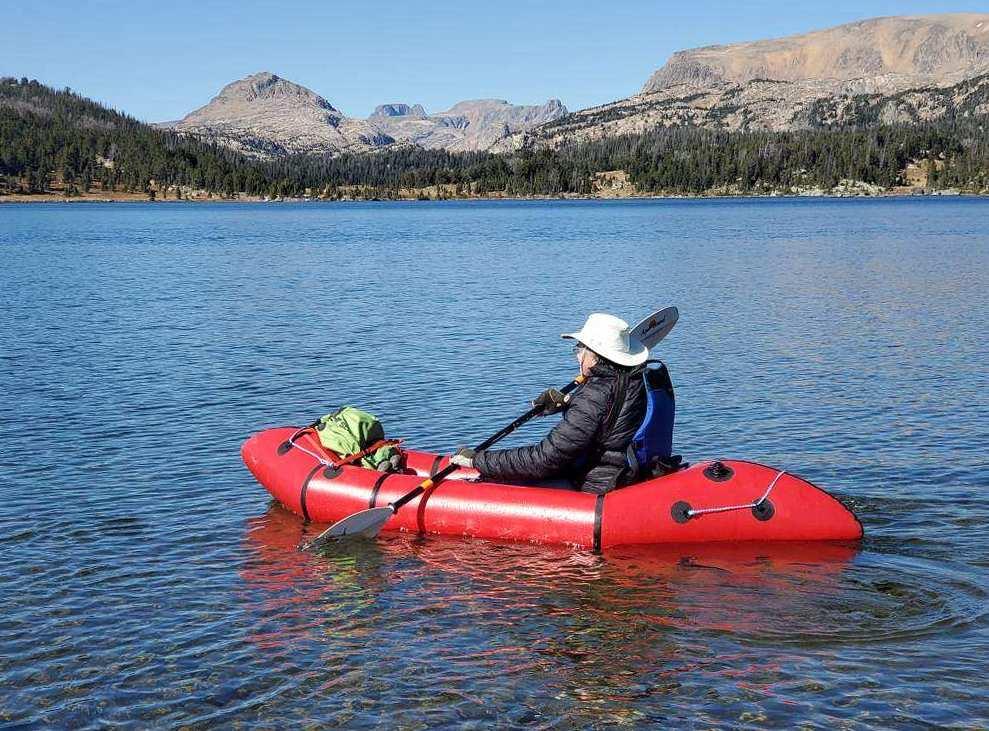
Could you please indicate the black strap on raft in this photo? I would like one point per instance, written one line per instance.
(633, 463)
(598, 514)
(436, 465)
(377, 486)
(661, 466)
(305, 489)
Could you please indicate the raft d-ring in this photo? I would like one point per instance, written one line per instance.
(680, 512)
(763, 510)
(284, 447)
(332, 471)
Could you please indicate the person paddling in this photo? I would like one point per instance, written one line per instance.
(588, 447)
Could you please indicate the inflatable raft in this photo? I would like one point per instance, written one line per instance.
(726, 500)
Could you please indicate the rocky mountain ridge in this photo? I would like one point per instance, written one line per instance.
(891, 53)
(884, 70)
(764, 106)
(266, 116)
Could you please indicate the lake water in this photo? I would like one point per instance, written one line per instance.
(147, 580)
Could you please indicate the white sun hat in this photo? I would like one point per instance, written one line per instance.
(609, 337)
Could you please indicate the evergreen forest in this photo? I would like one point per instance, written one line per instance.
(55, 140)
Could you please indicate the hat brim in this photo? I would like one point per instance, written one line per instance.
(637, 355)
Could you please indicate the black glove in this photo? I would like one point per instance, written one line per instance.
(463, 457)
(551, 400)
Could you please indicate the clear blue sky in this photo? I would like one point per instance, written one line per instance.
(159, 61)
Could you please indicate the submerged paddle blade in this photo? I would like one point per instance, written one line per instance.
(365, 524)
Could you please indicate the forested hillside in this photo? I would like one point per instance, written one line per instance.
(48, 135)
(57, 140)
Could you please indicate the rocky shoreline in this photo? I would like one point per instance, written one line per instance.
(711, 195)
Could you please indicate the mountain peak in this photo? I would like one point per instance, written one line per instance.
(398, 110)
(266, 86)
(266, 115)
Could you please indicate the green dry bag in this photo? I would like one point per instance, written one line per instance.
(348, 430)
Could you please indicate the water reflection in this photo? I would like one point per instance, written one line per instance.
(605, 631)
(730, 626)
(718, 587)
(289, 587)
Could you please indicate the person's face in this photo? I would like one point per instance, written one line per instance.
(585, 358)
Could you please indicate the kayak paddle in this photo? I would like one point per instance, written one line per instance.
(368, 523)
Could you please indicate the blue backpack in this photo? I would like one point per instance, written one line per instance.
(651, 450)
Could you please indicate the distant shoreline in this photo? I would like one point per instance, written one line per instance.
(135, 198)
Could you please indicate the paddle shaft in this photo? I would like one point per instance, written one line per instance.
(451, 468)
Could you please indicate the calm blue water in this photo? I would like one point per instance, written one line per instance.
(146, 580)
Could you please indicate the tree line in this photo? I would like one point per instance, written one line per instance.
(47, 134)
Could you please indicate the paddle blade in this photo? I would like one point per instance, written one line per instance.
(656, 327)
(365, 524)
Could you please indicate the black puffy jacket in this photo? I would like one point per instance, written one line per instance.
(580, 448)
